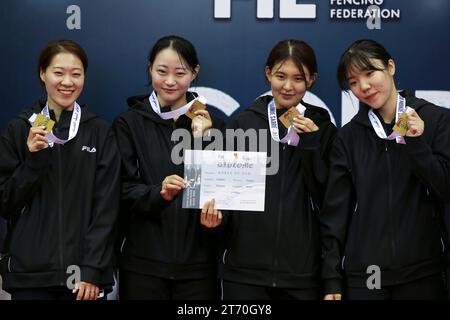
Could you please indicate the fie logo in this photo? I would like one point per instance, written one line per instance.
(289, 9)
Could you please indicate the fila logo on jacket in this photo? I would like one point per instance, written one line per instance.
(89, 149)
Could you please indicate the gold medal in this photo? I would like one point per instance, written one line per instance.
(402, 124)
(197, 105)
(43, 121)
(287, 118)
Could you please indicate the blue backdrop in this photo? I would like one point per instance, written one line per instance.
(117, 36)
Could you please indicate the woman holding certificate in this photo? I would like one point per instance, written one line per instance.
(166, 253)
(276, 254)
(59, 189)
(383, 229)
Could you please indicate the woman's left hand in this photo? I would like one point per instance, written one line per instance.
(86, 291)
(201, 123)
(416, 126)
(210, 217)
(303, 124)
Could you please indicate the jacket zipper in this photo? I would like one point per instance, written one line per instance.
(175, 229)
(224, 256)
(355, 210)
(60, 215)
(123, 244)
(390, 211)
(280, 210)
(175, 238)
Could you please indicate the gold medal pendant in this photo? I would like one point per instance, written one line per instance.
(43, 121)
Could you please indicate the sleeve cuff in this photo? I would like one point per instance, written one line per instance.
(156, 199)
(310, 140)
(415, 144)
(39, 159)
(90, 275)
(332, 286)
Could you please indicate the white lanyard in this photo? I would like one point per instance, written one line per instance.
(291, 137)
(378, 127)
(172, 114)
(74, 125)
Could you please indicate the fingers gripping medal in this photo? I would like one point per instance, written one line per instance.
(287, 118)
(188, 109)
(197, 123)
(43, 121)
(197, 105)
(401, 126)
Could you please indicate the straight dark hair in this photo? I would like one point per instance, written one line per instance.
(183, 47)
(53, 48)
(296, 50)
(360, 56)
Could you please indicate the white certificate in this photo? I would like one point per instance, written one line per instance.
(236, 180)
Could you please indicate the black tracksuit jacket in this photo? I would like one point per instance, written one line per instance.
(161, 238)
(61, 203)
(280, 247)
(385, 202)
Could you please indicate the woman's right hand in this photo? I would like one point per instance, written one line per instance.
(210, 216)
(333, 296)
(171, 185)
(36, 139)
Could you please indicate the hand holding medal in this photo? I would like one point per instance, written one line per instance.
(416, 126)
(36, 137)
(299, 122)
(303, 124)
(201, 120)
(409, 124)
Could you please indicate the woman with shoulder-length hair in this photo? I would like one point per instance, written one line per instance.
(59, 188)
(383, 230)
(276, 254)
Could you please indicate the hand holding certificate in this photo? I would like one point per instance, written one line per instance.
(236, 180)
(210, 217)
(170, 186)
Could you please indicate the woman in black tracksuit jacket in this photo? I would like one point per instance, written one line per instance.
(60, 199)
(166, 253)
(276, 254)
(383, 230)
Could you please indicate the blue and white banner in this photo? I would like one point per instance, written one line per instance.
(233, 39)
